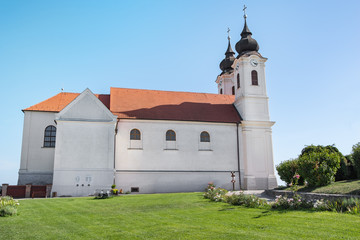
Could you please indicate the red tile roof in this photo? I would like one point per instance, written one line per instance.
(61, 100)
(166, 105)
(158, 105)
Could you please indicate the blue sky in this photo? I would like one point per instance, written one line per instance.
(312, 72)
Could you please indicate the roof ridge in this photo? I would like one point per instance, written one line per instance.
(152, 90)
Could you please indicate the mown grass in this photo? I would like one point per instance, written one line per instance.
(341, 187)
(169, 216)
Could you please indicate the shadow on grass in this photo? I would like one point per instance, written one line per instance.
(269, 212)
(227, 208)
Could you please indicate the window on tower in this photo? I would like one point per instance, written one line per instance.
(238, 80)
(254, 78)
(50, 136)
(233, 90)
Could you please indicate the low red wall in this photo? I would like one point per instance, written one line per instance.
(16, 191)
(37, 191)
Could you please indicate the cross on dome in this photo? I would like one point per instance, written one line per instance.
(244, 9)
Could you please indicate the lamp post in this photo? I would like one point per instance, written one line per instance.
(233, 180)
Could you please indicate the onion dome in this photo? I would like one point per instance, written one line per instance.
(227, 62)
(246, 43)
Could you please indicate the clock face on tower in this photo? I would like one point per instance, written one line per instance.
(253, 62)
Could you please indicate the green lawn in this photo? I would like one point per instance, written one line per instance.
(341, 187)
(169, 216)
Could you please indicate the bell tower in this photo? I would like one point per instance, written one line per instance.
(225, 79)
(251, 101)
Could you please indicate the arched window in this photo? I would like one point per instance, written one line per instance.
(233, 90)
(238, 80)
(204, 137)
(50, 136)
(221, 91)
(254, 78)
(170, 135)
(135, 134)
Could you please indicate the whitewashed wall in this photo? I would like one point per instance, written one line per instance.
(188, 167)
(37, 161)
(84, 154)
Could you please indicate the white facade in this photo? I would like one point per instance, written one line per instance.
(188, 165)
(37, 161)
(84, 153)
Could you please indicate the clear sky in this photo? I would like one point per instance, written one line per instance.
(312, 72)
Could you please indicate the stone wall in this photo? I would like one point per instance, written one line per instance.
(309, 196)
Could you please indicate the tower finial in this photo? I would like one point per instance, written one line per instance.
(228, 31)
(246, 43)
(244, 9)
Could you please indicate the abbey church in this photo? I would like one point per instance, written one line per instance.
(151, 141)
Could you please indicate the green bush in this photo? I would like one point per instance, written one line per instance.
(287, 170)
(356, 158)
(318, 164)
(351, 205)
(242, 199)
(215, 194)
(347, 169)
(343, 172)
(8, 206)
(295, 202)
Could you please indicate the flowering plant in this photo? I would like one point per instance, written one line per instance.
(8, 206)
(214, 194)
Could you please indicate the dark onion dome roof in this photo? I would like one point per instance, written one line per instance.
(229, 59)
(246, 43)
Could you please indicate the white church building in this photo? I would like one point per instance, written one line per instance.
(151, 141)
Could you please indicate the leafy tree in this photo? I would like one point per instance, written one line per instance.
(319, 164)
(287, 169)
(356, 158)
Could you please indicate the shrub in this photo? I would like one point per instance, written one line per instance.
(356, 158)
(287, 170)
(242, 199)
(351, 205)
(296, 202)
(214, 194)
(318, 164)
(8, 206)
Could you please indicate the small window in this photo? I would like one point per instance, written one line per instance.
(204, 137)
(170, 135)
(134, 189)
(233, 90)
(221, 91)
(135, 134)
(254, 78)
(50, 136)
(238, 80)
